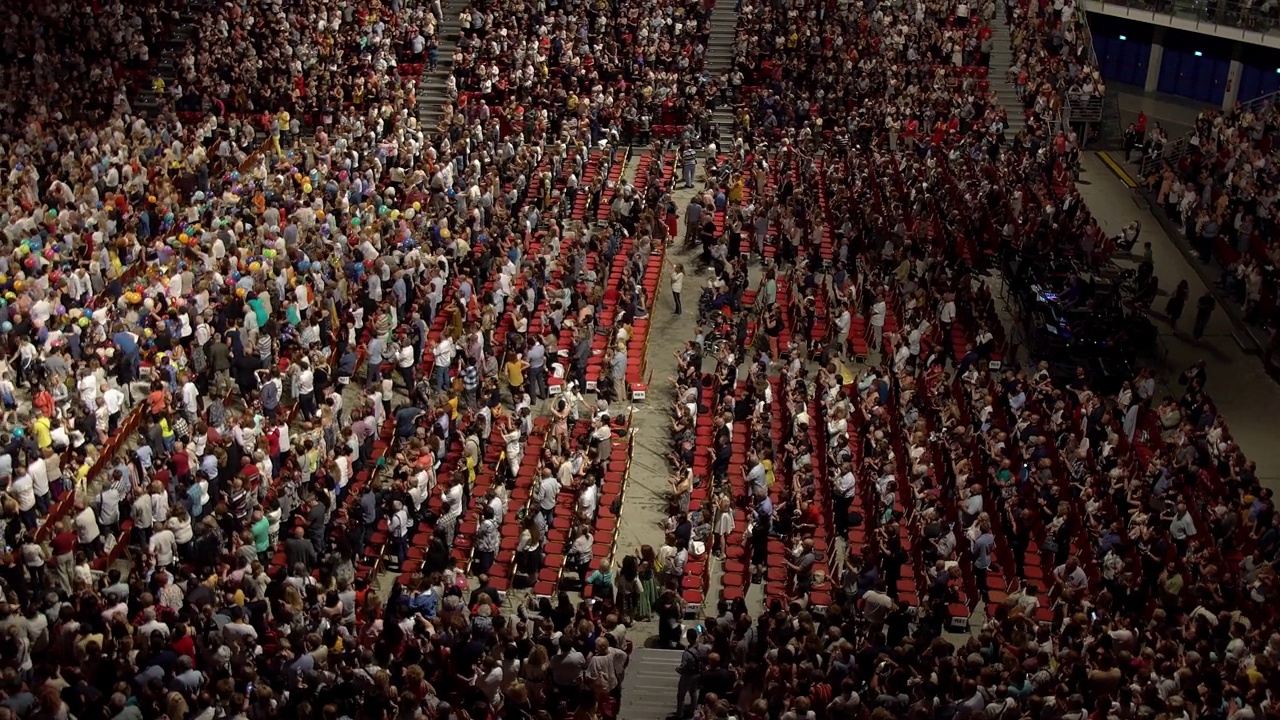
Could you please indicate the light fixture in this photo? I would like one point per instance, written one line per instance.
(1122, 37)
(1199, 54)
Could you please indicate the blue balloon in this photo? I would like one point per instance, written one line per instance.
(6, 326)
(303, 266)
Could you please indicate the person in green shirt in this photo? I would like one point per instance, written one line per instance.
(261, 536)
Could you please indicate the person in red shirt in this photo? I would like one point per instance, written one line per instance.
(63, 548)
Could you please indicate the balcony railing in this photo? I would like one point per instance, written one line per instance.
(1247, 15)
(1085, 108)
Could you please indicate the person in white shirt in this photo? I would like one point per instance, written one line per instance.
(444, 352)
(162, 545)
(86, 528)
(405, 362)
(89, 388)
(947, 312)
(589, 501)
(115, 403)
(190, 399)
(159, 503)
(878, 312)
(304, 386)
(514, 445)
(23, 490)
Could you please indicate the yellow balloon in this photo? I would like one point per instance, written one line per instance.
(306, 188)
(417, 206)
(255, 266)
(18, 285)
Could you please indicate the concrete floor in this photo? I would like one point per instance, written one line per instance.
(648, 487)
(1245, 395)
(1177, 115)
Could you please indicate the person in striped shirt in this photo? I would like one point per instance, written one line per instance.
(470, 381)
(689, 163)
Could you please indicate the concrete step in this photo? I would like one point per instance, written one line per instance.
(649, 690)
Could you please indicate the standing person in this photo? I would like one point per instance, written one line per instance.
(689, 163)
(1177, 303)
(1204, 309)
(399, 527)
(677, 286)
(689, 669)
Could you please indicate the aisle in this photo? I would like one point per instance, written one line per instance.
(1244, 393)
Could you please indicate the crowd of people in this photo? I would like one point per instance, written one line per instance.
(260, 372)
(317, 62)
(244, 368)
(1101, 553)
(1222, 194)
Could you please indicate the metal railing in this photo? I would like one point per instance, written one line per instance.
(1261, 101)
(1084, 35)
(1085, 109)
(1224, 14)
(1171, 153)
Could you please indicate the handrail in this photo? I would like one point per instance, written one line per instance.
(1270, 98)
(1172, 152)
(1221, 14)
(1086, 36)
(1087, 109)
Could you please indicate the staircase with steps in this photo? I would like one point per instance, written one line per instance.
(719, 57)
(431, 86)
(1002, 90)
(649, 688)
(181, 35)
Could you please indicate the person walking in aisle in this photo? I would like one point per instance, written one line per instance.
(1177, 303)
(689, 162)
(1204, 309)
(677, 286)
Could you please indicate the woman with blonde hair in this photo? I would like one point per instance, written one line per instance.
(535, 671)
(176, 707)
(517, 705)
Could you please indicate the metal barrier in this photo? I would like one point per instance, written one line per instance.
(1171, 153)
(1261, 101)
(1085, 109)
(1224, 14)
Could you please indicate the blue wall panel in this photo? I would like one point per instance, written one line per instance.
(1201, 78)
(1124, 61)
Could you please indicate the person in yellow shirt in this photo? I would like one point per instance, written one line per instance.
(43, 430)
(735, 190)
(516, 366)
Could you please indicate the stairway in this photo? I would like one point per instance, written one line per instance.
(181, 35)
(719, 58)
(431, 93)
(1111, 134)
(649, 689)
(1002, 90)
